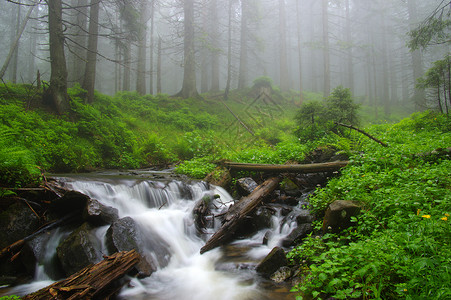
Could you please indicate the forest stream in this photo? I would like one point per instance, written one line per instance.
(163, 213)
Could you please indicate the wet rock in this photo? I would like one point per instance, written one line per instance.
(297, 234)
(288, 200)
(220, 177)
(272, 262)
(259, 220)
(124, 235)
(338, 215)
(304, 216)
(281, 274)
(98, 214)
(245, 186)
(70, 202)
(79, 250)
(266, 237)
(16, 222)
(290, 188)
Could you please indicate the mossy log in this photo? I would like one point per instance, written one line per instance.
(99, 281)
(239, 212)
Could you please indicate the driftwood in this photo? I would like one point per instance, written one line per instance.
(362, 132)
(294, 168)
(97, 281)
(238, 213)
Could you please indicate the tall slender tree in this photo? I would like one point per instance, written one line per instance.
(189, 88)
(91, 56)
(326, 54)
(58, 75)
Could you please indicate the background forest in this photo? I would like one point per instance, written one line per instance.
(306, 45)
(93, 84)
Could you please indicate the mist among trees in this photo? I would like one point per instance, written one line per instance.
(377, 49)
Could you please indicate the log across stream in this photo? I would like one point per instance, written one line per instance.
(167, 236)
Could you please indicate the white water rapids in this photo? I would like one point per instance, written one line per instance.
(165, 209)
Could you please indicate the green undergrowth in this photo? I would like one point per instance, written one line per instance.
(400, 244)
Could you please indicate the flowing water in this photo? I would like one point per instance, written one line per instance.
(165, 209)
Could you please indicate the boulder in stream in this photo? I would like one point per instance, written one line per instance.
(272, 262)
(246, 185)
(125, 235)
(79, 250)
(98, 214)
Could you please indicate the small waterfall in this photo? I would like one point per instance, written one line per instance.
(165, 209)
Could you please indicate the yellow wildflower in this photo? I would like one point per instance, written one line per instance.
(444, 219)
(446, 215)
(426, 216)
(418, 211)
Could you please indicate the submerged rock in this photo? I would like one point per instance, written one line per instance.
(297, 234)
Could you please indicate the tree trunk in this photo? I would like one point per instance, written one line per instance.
(15, 58)
(229, 51)
(298, 22)
(326, 54)
(142, 43)
(239, 212)
(283, 67)
(159, 67)
(97, 281)
(127, 66)
(349, 50)
(189, 88)
(293, 168)
(242, 76)
(91, 55)
(15, 43)
(78, 61)
(385, 72)
(215, 42)
(417, 59)
(204, 53)
(151, 50)
(58, 75)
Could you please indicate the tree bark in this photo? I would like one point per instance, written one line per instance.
(151, 50)
(142, 42)
(95, 281)
(349, 49)
(159, 67)
(326, 54)
(215, 42)
(293, 168)
(58, 75)
(283, 67)
(417, 59)
(15, 43)
(238, 213)
(189, 88)
(229, 52)
(298, 22)
(91, 55)
(242, 76)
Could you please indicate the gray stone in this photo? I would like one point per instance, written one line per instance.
(281, 274)
(338, 215)
(297, 234)
(98, 214)
(246, 185)
(79, 250)
(272, 262)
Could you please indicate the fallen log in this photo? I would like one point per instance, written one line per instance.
(93, 282)
(294, 168)
(238, 213)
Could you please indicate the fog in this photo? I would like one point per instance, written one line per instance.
(308, 45)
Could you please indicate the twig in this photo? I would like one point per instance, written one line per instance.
(363, 132)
